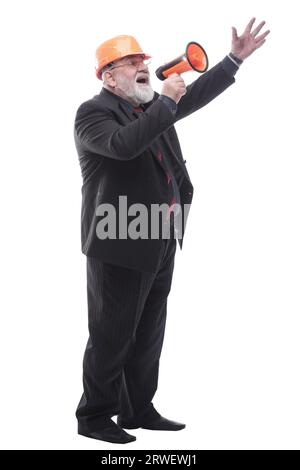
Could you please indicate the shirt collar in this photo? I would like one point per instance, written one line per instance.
(130, 107)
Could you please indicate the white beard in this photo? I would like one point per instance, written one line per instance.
(143, 93)
(135, 91)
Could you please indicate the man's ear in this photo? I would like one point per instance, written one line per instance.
(108, 79)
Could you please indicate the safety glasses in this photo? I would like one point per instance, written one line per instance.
(134, 62)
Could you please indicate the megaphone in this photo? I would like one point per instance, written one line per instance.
(194, 58)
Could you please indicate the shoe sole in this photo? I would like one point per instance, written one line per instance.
(95, 436)
(149, 428)
(164, 429)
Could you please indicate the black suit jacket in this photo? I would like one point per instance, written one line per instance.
(116, 155)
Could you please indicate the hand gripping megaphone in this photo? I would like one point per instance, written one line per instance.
(194, 58)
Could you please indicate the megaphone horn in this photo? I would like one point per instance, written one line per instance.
(194, 58)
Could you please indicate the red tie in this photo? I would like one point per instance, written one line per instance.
(137, 110)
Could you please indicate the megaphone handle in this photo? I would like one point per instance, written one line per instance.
(167, 69)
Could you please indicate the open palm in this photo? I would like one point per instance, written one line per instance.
(242, 46)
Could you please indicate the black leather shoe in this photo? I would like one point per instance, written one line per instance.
(158, 423)
(110, 433)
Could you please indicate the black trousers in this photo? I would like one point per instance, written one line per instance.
(126, 318)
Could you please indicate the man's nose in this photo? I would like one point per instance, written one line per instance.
(142, 67)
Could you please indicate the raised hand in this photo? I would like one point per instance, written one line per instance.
(242, 46)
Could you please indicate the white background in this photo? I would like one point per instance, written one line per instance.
(230, 362)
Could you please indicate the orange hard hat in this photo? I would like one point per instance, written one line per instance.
(115, 49)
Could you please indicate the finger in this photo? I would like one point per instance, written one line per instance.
(249, 25)
(174, 78)
(234, 33)
(258, 28)
(259, 44)
(178, 79)
(262, 36)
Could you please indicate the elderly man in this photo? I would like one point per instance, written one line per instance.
(128, 148)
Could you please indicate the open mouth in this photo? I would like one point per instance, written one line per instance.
(142, 81)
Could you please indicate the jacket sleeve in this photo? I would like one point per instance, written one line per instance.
(98, 131)
(203, 90)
